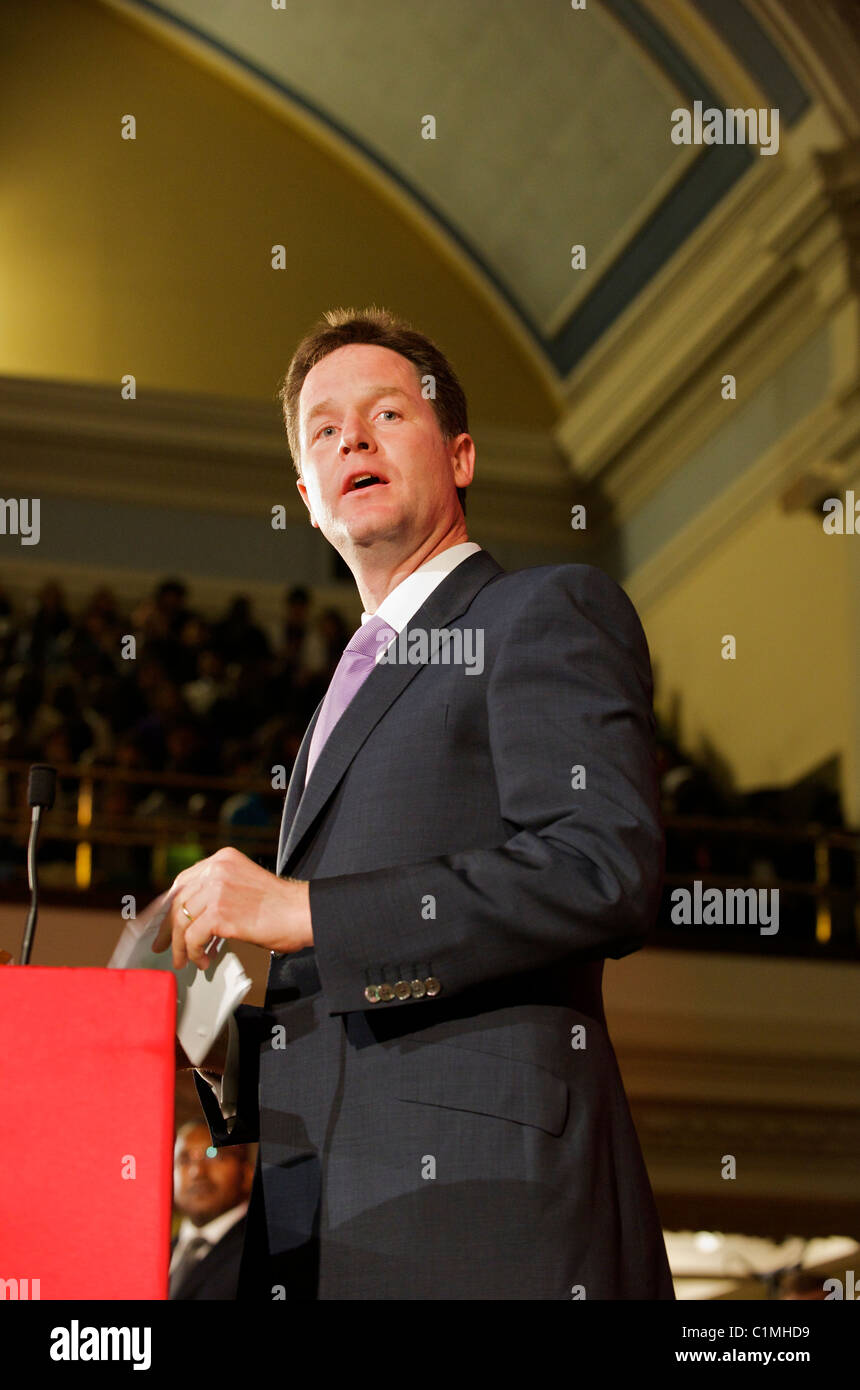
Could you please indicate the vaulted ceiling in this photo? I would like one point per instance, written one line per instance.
(269, 122)
(551, 127)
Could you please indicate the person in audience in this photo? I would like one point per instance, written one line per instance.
(295, 630)
(39, 637)
(210, 1190)
(211, 682)
(205, 696)
(240, 640)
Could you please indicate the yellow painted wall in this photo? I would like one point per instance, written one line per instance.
(153, 256)
(783, 588)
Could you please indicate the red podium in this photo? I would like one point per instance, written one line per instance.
(87, 1074)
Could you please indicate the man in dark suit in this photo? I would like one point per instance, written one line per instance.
(471, 828)
(210, 1189)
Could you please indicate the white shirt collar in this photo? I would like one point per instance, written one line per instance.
(407, 597)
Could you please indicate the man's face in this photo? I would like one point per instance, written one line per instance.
(361, 411)
(204, 1187)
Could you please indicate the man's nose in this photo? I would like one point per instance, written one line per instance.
(355, 435)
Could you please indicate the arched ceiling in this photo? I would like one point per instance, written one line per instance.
(302, 125)
(552, 127)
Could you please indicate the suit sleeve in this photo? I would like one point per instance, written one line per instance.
(580, 873)
(230, 1105)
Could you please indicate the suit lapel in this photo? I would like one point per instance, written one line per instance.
(296, 785)
(385, 682)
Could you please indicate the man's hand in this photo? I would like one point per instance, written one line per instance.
(229, 896)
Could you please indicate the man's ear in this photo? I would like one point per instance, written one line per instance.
(463, 459)
(303, 493)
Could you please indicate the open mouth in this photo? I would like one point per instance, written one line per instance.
(363, 482)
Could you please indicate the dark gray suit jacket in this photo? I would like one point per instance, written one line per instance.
(455, 1144)
(216, 1276)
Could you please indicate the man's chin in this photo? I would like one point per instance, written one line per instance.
(199, 1206)
(361, 532)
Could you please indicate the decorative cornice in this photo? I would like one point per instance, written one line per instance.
(774, 262)
(213, 454)
(822, 42)
(830, 434)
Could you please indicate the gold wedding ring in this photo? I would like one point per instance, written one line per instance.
(187, 913)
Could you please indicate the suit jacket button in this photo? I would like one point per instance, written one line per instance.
(403, 989)
(418, 990)
(371, 994)
(386, 993)
(432, 986)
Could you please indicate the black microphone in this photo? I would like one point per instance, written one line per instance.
(41, 790)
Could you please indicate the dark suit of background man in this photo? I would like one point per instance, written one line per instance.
(437, 1100)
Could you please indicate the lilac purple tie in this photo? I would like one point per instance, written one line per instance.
(356, 664)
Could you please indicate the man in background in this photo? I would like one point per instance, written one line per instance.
(211, 1188)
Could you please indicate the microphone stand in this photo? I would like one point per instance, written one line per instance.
(33, 883)
(41, 790)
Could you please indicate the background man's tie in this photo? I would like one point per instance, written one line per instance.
(351, 672)
(193, 1253)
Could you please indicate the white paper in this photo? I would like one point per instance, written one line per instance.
(205, 999)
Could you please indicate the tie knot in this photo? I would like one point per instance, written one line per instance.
(371, 637)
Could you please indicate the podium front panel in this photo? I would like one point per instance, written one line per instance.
(87, 1076)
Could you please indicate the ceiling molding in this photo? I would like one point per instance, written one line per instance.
(822, 41)
(830, 433)
(621, 268)
(772, 264)
(709, 50)
(212, 454)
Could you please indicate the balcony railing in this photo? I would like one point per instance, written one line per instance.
(117, 830)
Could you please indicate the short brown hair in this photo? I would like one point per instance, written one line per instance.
(338, 328)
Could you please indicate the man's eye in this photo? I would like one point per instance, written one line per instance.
(323, 433)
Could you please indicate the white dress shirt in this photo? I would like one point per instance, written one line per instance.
(407, 597)
(396, 609)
